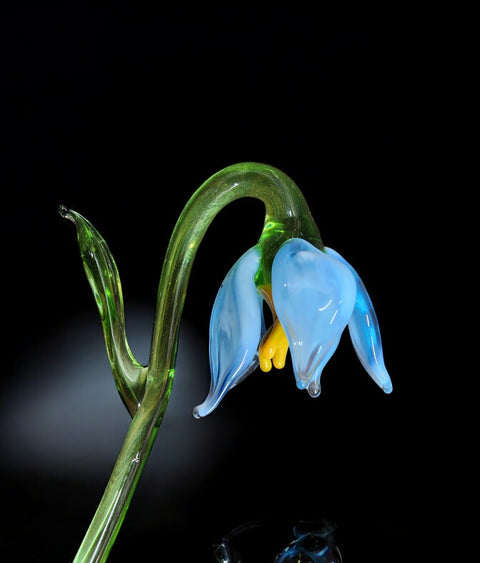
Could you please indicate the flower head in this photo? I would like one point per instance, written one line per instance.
(313, 296)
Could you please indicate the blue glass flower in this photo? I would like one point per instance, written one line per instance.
(313, 296)
(236, 328)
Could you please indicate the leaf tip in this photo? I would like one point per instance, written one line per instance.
(65, 212)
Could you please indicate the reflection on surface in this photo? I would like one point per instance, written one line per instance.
(313, 542)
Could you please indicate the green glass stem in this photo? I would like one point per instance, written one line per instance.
(133, 455)
(146, 391)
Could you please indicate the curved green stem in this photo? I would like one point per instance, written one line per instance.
(285, 209)
(287, 214)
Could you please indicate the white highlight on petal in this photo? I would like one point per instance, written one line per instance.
(236, 327)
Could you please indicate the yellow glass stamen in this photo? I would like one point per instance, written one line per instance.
(274, 346)
(264, 363)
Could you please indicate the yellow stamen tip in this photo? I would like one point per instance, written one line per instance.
(274, 346)
(265, 363)
(279, 360)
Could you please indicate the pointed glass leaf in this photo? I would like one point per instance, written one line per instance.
(104, 279)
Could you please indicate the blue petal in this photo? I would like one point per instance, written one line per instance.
(236, 327)
(314, 296)
(365, 332)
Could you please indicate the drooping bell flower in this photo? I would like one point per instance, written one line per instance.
(313, 296)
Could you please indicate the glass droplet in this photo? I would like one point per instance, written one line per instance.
(64, 212)
(314, 388)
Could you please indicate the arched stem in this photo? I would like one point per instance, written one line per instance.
(284, 203)
(285, 208)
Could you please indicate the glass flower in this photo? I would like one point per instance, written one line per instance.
(313, 296)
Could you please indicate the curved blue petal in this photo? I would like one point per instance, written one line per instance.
(365, 331)
(314, 295)
(236, 327)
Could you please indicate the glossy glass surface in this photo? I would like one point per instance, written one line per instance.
(314, 296)
(312, 542)
(146, 389)
(236, 327)
(365, 331)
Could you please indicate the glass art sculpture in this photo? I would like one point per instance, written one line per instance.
(313, 294)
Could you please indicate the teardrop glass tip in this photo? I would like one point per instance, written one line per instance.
(64, 212)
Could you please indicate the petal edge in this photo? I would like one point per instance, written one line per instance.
(236, 327)
(365, 331)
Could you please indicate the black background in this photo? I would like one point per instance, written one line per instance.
(121, 111)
